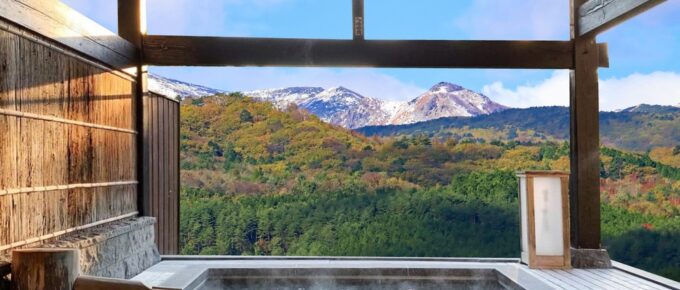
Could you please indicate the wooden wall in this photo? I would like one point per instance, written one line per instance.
(161, 169)
(67, 139)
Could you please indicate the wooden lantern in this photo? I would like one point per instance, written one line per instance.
(544, 211)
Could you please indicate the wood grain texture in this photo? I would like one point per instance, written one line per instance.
(584, 140)
(100, 283)
(531, 216)
(57, 21)
(161, 174)
(596, 16)
(358, 19)
(67, 140)
(234, 51)
(45, 269)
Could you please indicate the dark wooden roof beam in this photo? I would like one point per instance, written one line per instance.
(235, 51)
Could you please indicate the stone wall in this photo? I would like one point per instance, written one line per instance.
(120, 249)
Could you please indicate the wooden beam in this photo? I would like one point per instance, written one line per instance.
(596, 16)
(132, 26)
(58, 22)
(358, 19)
(228, 51)
(603, 54)
(132, 21)
(584, 142)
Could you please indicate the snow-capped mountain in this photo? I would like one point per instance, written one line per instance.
(338, 105)
(284, 97)
(445, 100)
(174, 88)
(347, 108)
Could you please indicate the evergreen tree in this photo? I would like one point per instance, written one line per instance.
(246, 116)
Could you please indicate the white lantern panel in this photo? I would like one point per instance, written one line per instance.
(548, 216)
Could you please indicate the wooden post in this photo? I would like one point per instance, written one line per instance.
(132, 27)
(39, 269)
(358, 19)
(585, 140)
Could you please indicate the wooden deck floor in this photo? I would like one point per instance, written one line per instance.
(594, 279)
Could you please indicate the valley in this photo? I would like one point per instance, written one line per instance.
(260, 181)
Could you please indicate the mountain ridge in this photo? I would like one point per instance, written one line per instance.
(345, 107)
(645, 127)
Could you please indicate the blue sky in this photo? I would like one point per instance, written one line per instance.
(644, 52)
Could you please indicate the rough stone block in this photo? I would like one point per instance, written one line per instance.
(590, 259)
(120, 249)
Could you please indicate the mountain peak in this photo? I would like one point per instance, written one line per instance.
(445, 100)
(342, 90)
(646, 108)
(446, 86)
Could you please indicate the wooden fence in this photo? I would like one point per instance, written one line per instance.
(68, 154)
(161, 169)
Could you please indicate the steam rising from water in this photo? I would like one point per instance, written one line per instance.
(349, 284)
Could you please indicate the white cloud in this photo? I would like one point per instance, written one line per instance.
(365, 81)
(512, 19)
(185, 17)
(660, 88)
(550, 92)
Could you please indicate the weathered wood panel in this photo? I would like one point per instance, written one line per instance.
(57, 21)
(595, 16)
(161, 164)
(67, 140)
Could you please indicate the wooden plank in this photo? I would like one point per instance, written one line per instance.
(358, 19)
(84, 282)
(608, 281)
(584, 142)
(154, 163)
(145, 206)
(57, 21)
(603, 54)
(132, 26)
(583, 280)
(132, 21)
(556, 283)
(162, 175)
(531, 221)
(176, 178)
(561, 279)
(566, 240)
(235, 51)
(623, 269)
(596, 16)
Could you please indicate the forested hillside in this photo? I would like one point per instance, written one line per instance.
(639, 128)
(257, 181)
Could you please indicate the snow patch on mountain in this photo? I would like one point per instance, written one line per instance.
(344, 107)
(173, 88)
(445, 100)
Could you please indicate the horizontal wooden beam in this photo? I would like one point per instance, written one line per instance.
(60, 23)
(230, 51)
(596, 16)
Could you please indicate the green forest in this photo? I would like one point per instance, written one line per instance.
(257, 181)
